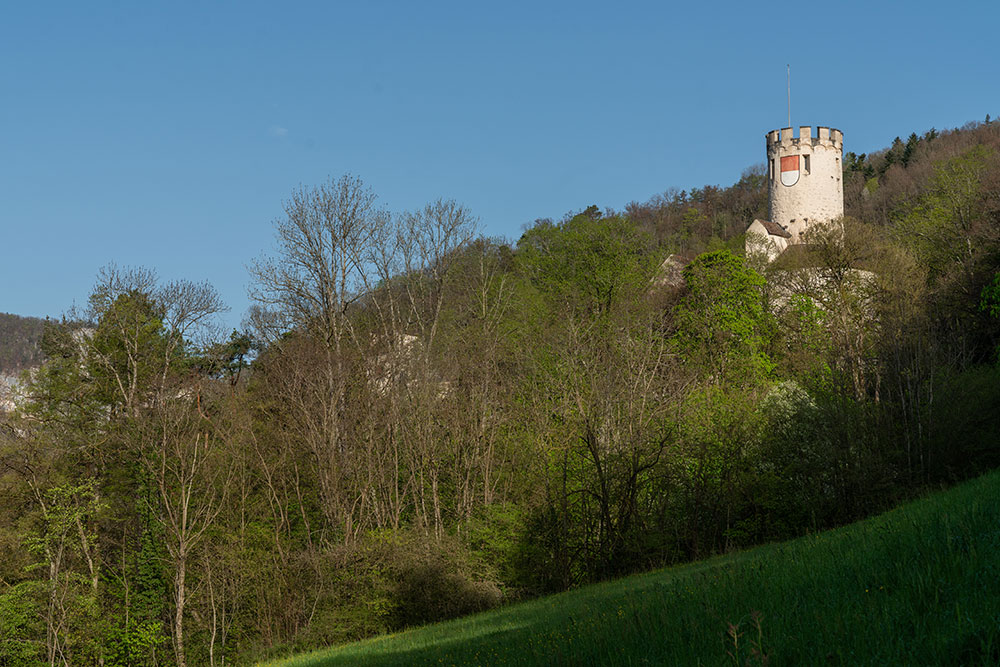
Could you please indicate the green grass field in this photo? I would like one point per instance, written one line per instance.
(919, 585)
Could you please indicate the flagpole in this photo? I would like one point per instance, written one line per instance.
(788, 80)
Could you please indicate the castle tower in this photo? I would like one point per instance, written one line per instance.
(805, 178)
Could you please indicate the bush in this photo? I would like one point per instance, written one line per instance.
(434, 582)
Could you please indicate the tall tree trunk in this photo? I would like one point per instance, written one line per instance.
(179, 611)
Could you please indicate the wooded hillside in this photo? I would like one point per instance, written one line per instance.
(19, 343)
(435, 422)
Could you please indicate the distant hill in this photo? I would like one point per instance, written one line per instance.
(20, 339)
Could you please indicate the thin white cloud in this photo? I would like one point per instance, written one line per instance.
(278, 131)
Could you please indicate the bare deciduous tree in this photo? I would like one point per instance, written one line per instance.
(371, 290)
(323, 246)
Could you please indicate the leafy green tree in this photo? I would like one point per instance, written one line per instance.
(226, 360)
(722, 329)
(692, 222)
(66, 533)
(587, 261)
(947, 229)
(127, 352)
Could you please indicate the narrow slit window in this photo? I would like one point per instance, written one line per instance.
(805, 165)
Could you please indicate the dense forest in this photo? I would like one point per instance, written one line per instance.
(419, 422)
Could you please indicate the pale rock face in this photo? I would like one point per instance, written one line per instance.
(805, 178)
(9, 392)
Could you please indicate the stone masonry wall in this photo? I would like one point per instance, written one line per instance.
(818, 195)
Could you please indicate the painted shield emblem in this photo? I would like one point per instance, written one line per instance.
(790, 170)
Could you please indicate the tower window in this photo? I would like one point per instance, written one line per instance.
(805, 166)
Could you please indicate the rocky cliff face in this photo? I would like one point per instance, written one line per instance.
(8, 385)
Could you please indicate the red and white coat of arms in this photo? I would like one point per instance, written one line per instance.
(790, 170)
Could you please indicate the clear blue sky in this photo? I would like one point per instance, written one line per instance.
(167, 135)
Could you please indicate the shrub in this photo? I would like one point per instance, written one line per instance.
(435, 582)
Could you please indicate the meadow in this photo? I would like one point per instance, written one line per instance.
(919, 585)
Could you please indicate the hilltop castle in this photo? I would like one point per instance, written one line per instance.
(805, 187)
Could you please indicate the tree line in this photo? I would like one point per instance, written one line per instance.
(420, 422)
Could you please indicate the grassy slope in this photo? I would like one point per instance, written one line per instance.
(917, 585)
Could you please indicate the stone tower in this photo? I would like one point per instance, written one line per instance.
(805, 178)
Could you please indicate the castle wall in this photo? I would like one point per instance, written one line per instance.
(817, 194)
(760, 242)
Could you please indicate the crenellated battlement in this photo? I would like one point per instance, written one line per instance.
(785, 138)
(805, 177)
(805, 186)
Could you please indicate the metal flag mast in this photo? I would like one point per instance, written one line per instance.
(788, 81)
